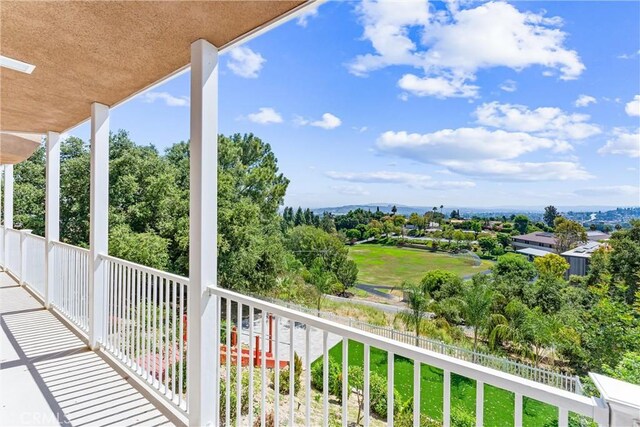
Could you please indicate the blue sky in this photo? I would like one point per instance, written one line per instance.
(428, 103)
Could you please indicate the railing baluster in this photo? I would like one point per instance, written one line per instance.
(345, 381)
(154, 346)
(416, 393)
(390, 387)
(307, 377)
(292, 365)
(162, 338)
(479, 403)
(446, 410)
(563, 417)
(168, 355)
(227, 387)
(325, 378)
(263, 370)
(367, 377)
(183, 353)
(174, 312)
(251, 365)
(276, 383)
(239, 365)
(517, 419)
(148, 323)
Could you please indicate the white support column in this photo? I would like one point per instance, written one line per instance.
(621, 402)
(52, 212)
(8, 196)
(203, 363)
(99, 220)
(8, 208)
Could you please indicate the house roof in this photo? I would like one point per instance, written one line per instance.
(533, 252)
(583, 251)
(537, 237)
(106, 52)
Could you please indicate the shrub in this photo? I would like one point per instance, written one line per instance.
(245, 405)
(460, 418)
(284, 376)
(378, 396)
(335, 377)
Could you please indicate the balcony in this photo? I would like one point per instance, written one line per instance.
(134, 376)
(89, 339)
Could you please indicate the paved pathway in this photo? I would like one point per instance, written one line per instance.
(48, 376)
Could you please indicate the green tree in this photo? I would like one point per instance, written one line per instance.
(441, 284)
(568, 234)
(29, 184)
(487, 244)
(551, 266)
(417, 304)
(322, 280)
(142, 248)
(308, 243)
(521, 223)
(476, 227)
(477, 301)
(624, 263)
(550, 215)
(627, 369)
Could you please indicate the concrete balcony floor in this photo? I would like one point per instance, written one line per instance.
(48, 375)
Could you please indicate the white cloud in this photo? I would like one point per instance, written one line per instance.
(411, 179)
(629, 55)
(633, 107)
(350, 190)
(456, 43)
(463, 143)
(519, 171)
(610, 190)
(439, 87)
(483, 153)
(360, 129)
(169, 100)
(244, 62)
(303, 18)
(328, 121)
(509, 86)
(543, 121)
(623, 143)
(585, 100)
(265, 115)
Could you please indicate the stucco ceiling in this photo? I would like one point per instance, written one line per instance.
(106, 51)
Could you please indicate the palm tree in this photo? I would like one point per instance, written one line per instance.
(417, 303)
(476, 305)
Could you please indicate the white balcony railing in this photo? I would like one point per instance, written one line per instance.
(146, 326)
(71, 279)
(145, 332)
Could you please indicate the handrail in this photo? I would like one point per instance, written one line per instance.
(70, 246)
(590, 407)
(35, 236)
(150, 270)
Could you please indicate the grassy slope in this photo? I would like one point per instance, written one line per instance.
(390, 265)
(498, 403)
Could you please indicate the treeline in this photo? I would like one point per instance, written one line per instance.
(149, 211)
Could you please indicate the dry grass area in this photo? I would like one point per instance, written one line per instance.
(316, 408)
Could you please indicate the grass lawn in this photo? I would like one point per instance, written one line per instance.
(390, 265)
(498, 403)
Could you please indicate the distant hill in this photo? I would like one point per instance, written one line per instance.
(532, 211)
